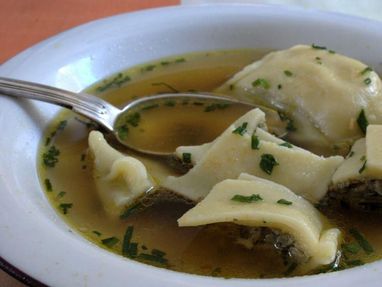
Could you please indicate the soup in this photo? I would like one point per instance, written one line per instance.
(148, 230)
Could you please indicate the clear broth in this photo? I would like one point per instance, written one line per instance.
(208, 250)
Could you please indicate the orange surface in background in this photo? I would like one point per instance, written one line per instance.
(27, 22)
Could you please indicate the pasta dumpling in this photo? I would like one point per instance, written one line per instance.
(256, 202)
(119, 179)
(246, 147)
(322, 94)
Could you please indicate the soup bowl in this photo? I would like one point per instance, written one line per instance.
(33, 238)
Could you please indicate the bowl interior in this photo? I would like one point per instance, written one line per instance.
(33, 237)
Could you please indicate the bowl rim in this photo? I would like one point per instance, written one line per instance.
(10, 64)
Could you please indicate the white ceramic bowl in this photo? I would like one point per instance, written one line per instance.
(32, 237)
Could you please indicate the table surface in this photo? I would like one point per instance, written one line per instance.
(27, 22)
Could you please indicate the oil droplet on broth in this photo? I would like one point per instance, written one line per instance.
(164, 127)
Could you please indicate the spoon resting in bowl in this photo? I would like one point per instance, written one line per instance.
(114, 119)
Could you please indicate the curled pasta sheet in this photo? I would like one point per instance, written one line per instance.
(298, 218)
(322, 91)
(119, 179)
(231, 154)
(364, 160)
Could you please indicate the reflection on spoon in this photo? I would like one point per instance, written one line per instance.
(172, 110)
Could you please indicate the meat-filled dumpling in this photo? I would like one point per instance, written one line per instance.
(119, 179)
(259, 203)
(358, 180)
(246, 147)
(323, 95)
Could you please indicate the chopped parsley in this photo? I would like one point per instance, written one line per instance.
(110, 242)
(133, 119)
(363, 167)
(267, 163)
(149, 107)
(241, 130)
(171, 88)
(123, 131)
(284, 201)
(216, 106)
(261, 83)
(352, 248)
(318, 60)
(231, 87)
(288, 73)
(286, 144)
(186, 157)
(170, 103)
(61, 194)
(279, 86)
(367, 81)
(50, 157)
(362, 121)
(290, 123)
(366, 70)
(247, 199)
(65, 207)
(314, 46)
(97, 232)
(131, 210)
(180, 60)
(154, 258)
(127, 249)
(360, 238)
(148, 68)
(165, 63)
(117, 81)
(255, 142)
(48, 185)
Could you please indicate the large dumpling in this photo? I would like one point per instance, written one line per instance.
(325, 96)
(256, 202)
(119, 179)
(246, 147)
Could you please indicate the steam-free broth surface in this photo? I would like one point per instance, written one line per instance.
(153, 231)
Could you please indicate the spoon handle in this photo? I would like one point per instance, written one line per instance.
(84, 104)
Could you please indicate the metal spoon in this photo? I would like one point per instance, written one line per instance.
(103, 113)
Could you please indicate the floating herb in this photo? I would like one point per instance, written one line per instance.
(123, 131)
(318, 60)
(286, 144)
(363, 167)
(360, 238)
(48, 185)
(367, 81)
(165, 63)
(362, 121)
(331, 51)
(284, 201)
(288, 73)
(148, 68)
(267, 163)
(133, 119)
(279, 86)
(65, 207)
(314, 46)
(117, 81)
(247, 199)
(186, 157)
(110, 242)
(216, 272)
(50, 158)
(131, 210)
(241, 130)
(261, 83)
(231, 87)
(126, 248)
(152, 258)
(61, 194)
(255, 142)
(149, 107)
(97, 232)
(363, 158)
(366, 71)
(171, 88)
(180, 60)
(216, 106)
(170, 103)
(352, 248)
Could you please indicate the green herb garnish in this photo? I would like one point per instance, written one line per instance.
(231, 87)
(117, 81)
(352, 248)
(165, 63)
(133, 119)
(153, 258)
(366, 70)
(61, 194)
(50, 158)
(255, 142)
(149, 107)
(360, 238)
(171, 88)
(286, 144)
(267, 163)
(110, 242)
(362, 121)
(332, 52)
(284, 201)
(367, 81)
(247, 199)
(314, 46)
(65, 207)
(186, 157)
(97, 232)
(48, 185)
(123, 131)
(279, 86)
(215, 106)
(241, 130)
(148, 68)
(127, 249)
(362, 167)
(262, 83)
(170, 103)
(288, 73)
(131, 210)
(180, 60)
